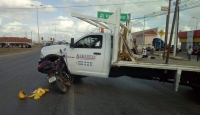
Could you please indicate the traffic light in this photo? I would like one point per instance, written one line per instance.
(41, 38)
(51, 39)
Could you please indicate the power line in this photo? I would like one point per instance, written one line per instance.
(85, 5)
(132, 6)
(182, 7)
(137, 7)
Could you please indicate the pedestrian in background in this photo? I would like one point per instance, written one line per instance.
(144, 53)
(198, 53)
(189, 52)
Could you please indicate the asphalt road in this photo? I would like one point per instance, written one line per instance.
(90, 96)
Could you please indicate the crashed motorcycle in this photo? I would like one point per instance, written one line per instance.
(56, 73)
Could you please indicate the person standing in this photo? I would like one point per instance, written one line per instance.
(189, 52)
(144, 53)
(198, 53)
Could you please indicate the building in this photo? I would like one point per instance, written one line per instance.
(189, 38)
(148, 35)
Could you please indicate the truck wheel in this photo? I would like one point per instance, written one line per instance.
(196, 89)
(60, 85)
(75, 80)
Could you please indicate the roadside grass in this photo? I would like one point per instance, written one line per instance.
(13, 50)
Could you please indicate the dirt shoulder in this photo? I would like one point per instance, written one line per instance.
(14, 50)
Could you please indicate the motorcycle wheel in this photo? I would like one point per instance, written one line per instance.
(60, 85)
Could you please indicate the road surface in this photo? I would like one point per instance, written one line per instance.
(90, 96)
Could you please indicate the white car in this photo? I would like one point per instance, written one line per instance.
(47, 44)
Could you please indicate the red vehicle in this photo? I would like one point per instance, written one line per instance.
(195, 49)
(15, 41)
(172, 50)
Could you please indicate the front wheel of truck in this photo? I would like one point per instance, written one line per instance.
(75, 79)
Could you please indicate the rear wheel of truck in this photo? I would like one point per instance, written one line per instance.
(60, 85)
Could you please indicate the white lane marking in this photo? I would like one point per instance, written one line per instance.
(71, 108)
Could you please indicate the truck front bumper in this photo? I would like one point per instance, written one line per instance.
(40, 61)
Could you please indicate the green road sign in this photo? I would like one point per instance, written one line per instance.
(106, 15)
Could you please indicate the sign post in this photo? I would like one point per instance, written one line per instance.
(161, 33)
(164, 8)
(106, 15)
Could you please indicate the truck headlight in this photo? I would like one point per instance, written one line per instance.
(41, 55)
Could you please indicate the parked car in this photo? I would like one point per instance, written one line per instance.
(177, 50)
(148, 49)
(47, 44)
(195, 49)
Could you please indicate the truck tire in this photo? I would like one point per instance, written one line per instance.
(60, 85)
(75, 79)
(196, 89)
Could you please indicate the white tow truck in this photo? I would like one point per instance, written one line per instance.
(108, 55)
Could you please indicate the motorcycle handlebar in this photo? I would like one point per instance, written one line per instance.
(59, 58)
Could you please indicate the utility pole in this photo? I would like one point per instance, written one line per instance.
(143, 34)
(130, 25)
(25, 34)
(166, 35)
(177, 30)
(37, 21)
(197, 22)
(167, 28)
(55, 29)
(175, 35)
(172, 30)
(31, 35)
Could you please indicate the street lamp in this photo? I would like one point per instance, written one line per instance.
(197, 22)
(37, 21)
(56, 23)
(55, 30)
(12, 31)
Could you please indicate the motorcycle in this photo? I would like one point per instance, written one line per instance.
(57, 73)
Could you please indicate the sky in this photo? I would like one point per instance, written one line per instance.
(18, 18)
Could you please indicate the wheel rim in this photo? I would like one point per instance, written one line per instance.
(61, 84)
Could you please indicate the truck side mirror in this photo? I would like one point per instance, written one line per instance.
(61, 51)
(72, 43)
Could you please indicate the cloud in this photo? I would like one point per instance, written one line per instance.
(14, 28)
(81, 0)
(21, 9)
(0, 21)
(58, 21)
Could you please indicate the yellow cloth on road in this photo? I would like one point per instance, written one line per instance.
(39, 92)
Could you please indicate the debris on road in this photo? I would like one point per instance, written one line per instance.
(36, 94)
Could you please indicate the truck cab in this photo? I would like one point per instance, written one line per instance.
(90, 55)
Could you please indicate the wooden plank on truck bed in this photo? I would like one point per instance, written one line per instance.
(159, 63)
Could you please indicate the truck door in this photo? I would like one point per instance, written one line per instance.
(87, 56)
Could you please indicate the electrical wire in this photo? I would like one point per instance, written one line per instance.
(134, 6)
(85, 5)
